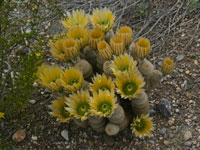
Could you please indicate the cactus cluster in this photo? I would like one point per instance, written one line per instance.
(103, 70)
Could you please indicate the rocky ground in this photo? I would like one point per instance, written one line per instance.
(173, 29)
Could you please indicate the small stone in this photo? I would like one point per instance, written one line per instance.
(162, 131)
(34, 138)
(173, 44)
(188, 95)
(19, 135)
(152, 142)
(166, 142)
(164, 107)
(170, 122)
(191, 111)
(195, 62)
(177, 110)
(65, 134)
(108, 139)
(32, 101)
(188, 143)
(179, 57)
(187, 72)
(194, 142)
(91, 143)
(187, 135)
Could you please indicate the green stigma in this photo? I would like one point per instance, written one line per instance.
(82, 109)
(123, 68)
(105, 107)
(64, 113)
(73, 81)
(104, 88)
(140, 125)
(129, 88)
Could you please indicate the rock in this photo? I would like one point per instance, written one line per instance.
(166, 142)
(179, 57)
(162, 131)
(187, 135)
(32, 101)
(19, 135)
(188, 143)
(164, 107)
(34, 138)
(90, 143)
(65, 135)
(108, 139)
(152, 142)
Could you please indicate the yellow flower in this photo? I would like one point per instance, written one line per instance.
(78, 105)
(58, 108)
(34, 8)
(104, 49)
(142, 47)
(95, 36)
(129, 84)
(49, 77)
(77, 18)
(142, 126)
(117, 45)
(102, 19)
(38, 54)
(70, 48)
(79, 34)
(72, 80)
(57, 50)
(103, 104)
(101, 82)
(167, 66)
(123, 63)
(126, 34)
(1, 115)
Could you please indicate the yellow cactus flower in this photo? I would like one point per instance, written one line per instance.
(167, 66)
(103, 104)
(49, 77)
(126, 34)
(57, 50)
(58, 108)
(129, 84)
(78, 105)
(101, 82)
(95, 36)
(1, 115)
(102, 19)
(117, 45)
(104, 49)
(123, 63)
(76, 18)
(142, 126)
(79, 34)
(142, 47)
(70, 48)
(72, 80)
(40, 71)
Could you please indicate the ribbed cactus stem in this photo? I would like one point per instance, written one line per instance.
(118, 116)
(98, 124)
(109, 35)
(153, 80)
(126, 121)
(107, 70)
(140, 105)
(90, 55)
(112, 129)
(100, 63)
(84, 66)
(81, 123)
(146, 67)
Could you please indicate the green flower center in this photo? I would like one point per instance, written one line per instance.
(140, 125)
(104, 88)
(103, 22)
(123, 68)
(129, 88)
(64, 113)
(105, 107)
(73, 81)
(82, 109)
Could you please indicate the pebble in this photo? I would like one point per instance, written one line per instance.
(188, 143)
(187, 135)
(166, 142)
(162, 131)
(152, 142)
(187, 72)
(65, 134)
(164, 107)
(34, 138)
(91, 143)
(32, 101)
(179, 57)
(191, 111)
(19, 135)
